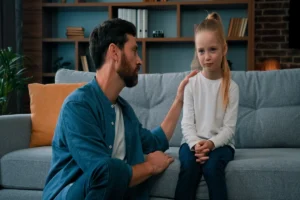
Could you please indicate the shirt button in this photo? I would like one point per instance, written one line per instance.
(112, 106)
(110, 146)
(112, 123)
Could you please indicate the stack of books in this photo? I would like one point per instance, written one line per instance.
(75, 32)
(237, 27)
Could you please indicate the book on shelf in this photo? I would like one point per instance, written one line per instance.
(84, 63)
(75, 32)
(87, 62)
(139, 17)
(237, 27)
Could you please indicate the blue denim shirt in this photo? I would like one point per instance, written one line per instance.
(84, 137)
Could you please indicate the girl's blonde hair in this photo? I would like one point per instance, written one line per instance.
(213, 23)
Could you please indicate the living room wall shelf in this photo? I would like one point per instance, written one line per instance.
(48, 74)
(175, 18)
(59, 40)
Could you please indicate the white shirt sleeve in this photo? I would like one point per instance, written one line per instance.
(188, 125)
(227, 131)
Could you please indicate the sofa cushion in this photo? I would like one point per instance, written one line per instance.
(254, 173)
(268, 111)
(275, 172)
(45, 103)
(151, 98)
(25, 169)
(13, 194)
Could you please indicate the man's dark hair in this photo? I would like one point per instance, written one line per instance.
(110, 31)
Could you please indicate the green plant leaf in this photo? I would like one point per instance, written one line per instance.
(12, 76)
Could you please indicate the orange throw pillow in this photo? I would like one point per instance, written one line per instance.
(45, 104)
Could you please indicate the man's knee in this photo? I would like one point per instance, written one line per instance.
(108, 172)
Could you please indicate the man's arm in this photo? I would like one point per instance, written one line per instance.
(169, 123)
(158, 138)
(155, 163)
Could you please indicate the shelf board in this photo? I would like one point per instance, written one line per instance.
(58, 40)
(48, 74)
(146, 4)
(58, 5)
(237, 39)
(175, 39)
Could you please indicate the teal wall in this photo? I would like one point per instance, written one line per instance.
(169, 57)
(85, 17)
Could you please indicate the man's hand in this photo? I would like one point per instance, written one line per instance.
(202, 148)
(180, 91)
(158, 161)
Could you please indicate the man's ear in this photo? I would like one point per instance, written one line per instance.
(114, 52)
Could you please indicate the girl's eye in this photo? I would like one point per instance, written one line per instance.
(213, 49)
(201, 51)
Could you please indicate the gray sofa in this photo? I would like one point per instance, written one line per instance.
(267, 159)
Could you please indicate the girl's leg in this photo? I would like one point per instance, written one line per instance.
(214, 172)
(189, 175)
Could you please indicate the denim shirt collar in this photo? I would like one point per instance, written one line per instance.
(103, 97)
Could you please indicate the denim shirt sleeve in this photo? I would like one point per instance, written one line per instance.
(86, 142)
(153, 140)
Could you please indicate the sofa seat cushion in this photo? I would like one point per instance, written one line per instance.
(26, 169)
(272, 173)
(253, 174)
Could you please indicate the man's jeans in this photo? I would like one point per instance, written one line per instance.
(213, 171)
(101, 183)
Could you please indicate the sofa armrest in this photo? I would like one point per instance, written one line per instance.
(15, 131)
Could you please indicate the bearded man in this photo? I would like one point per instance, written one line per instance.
(99, 144)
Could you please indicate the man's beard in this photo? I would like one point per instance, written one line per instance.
(130, 78)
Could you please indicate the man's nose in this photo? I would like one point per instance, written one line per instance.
(139, 61)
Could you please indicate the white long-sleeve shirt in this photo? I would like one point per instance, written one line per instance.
(203, 115)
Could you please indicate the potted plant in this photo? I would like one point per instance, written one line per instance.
(12, 77)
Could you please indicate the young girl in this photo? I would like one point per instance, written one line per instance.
(210, 110)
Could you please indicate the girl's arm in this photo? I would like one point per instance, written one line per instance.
(229, 123)
(188, 119)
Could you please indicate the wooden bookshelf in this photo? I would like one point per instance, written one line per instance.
(147, 40)
(39, 32)
(48, 74)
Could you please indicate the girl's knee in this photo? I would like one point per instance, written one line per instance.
(212, 168)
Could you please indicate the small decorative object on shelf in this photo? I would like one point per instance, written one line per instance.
(158, 34)
(58, 64)
(75, 32)
(63, 1)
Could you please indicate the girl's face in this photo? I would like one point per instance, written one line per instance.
(209, 51)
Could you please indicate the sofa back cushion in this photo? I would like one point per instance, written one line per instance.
(269, 108)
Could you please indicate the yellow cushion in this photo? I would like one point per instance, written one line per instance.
(45, 104)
